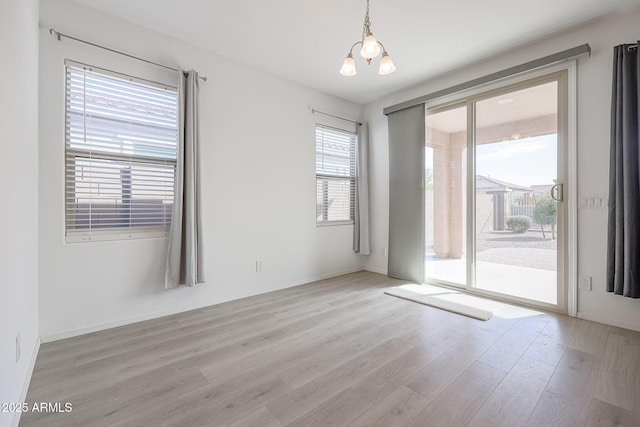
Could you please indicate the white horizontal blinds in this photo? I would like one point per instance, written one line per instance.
(121, 140)
(335, 175)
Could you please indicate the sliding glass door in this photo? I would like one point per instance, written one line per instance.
(445, 195)
(495, 166)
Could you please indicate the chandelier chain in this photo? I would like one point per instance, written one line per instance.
(366, 28)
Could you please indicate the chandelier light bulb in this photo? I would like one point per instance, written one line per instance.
(370, 48)
(348, 66)
(386, 65)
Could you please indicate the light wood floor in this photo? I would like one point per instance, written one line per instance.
(339, 352)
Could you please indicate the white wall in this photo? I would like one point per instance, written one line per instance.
(258, 157)
(19, 189)
(594, 94)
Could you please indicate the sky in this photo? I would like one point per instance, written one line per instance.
(526, 161)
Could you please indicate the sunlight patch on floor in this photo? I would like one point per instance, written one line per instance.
(460, 302)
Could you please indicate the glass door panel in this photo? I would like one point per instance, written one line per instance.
(516, 166)
(445, 196)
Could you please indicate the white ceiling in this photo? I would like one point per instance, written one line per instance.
(306, 41)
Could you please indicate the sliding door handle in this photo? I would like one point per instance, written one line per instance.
(556, 192)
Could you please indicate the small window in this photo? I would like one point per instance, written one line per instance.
(335, 176)
(121, 140)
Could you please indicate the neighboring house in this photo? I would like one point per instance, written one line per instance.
(497, 200)
(541, 190)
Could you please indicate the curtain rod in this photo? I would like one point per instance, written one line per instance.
(58, 35)
(335, 117)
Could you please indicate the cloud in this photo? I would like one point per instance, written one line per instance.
(508, 149)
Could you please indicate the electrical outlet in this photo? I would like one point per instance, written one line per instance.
(384, 252)
(258, 266)
(18, 348)
(584, 283)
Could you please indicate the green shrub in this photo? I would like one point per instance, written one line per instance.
(544, 212)
(518, 223)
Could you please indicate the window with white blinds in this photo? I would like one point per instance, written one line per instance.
(121, 140)
(335, 176)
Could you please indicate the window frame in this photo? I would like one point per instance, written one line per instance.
(72, 154)
(327, 177)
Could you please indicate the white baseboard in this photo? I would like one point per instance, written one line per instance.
(69, 333)
(604, 320)
(377, 270)
(27, 381)
(321, 277)
(74, 332)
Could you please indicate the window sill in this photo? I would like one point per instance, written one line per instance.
(111, 235)
(333, 223)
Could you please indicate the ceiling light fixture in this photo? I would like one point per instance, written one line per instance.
(370, 49)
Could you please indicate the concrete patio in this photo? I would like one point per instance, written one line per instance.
(523, 265)
(525, 282)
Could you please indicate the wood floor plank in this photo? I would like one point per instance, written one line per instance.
(590, 337)
(280, 362)
(545, 351)
(461, 399)
(384, 380)
(145, 410)
(514, 399)
(294, 405)
(602, 414)
(316, 364)
(440, 373)
(259, 418)
(619, 375)
(340, 351)
(353, 343)
(506, 352)
(339, 410)
(287, 354)
(172, 382)
(212, 406)
(104, 373)
(397, 409)
(170, 337)
(559, 330)
(568, 394)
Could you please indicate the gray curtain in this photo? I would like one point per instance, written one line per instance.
(184, 255)
(406, 193)
(623, 257)
(361, 243)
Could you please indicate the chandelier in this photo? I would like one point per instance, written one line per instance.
(370, 49)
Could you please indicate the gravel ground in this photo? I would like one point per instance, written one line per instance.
(525, 250)
(508, 239)
(522, 257)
